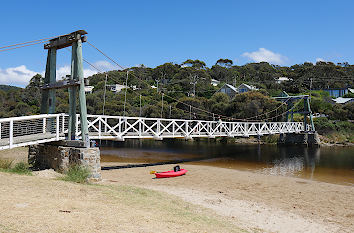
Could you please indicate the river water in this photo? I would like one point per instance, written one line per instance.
(327, 164)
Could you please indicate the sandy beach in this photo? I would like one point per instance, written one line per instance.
(218, 200)
(253, 201)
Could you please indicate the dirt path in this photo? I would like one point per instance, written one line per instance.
(255, 201)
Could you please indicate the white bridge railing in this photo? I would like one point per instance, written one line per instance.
(29, 130)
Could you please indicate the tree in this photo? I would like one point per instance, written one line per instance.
(194, 63)
(227, 63)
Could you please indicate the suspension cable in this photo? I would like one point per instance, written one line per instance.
(3, 50)
(28, 42)
(104, 94)
(106, 55)
(190, 106)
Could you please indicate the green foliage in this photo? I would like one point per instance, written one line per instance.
(323, 125)
(19, 168)
(77, 174)
(250, 104)
(176, 81)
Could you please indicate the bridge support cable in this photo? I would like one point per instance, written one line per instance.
(161, 105)
(25, 44)
(125, 93)
(212, 115)
(104, 94)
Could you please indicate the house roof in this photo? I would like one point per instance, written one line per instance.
(230, 86)
(341, 100)
(283, 79)
(250, 87)
(351, 90)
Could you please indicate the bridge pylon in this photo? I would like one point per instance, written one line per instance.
(309, 135)
(74, 82)
(306, 111)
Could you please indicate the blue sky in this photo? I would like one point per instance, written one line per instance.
(155, 32)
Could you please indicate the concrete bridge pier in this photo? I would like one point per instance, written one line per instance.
(63, 154)
(310, 139)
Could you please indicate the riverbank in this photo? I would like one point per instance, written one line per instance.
(250, 200)
(216, 200)
(42, 204)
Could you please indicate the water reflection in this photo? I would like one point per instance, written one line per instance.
(285, 167)
(294, 161)
(327, 164)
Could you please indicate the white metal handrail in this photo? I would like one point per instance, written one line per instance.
(29, 130)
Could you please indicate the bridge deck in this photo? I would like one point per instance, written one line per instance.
(29, 130)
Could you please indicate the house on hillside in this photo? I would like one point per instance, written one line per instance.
(229, 90)
(282, 79)
(246, 88)
(214, 82)
(341, 100)
(338, 92)
(116, 88)
(89, 89)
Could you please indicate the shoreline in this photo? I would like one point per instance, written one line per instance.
(251, 200)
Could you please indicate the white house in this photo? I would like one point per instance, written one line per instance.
(246, 88)
(116, 88)
(341, 100)
(214, 82)
(89, 89)
(229, 90)
(282, 79)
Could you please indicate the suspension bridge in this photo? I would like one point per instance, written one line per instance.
(51, 127)
(31, 130)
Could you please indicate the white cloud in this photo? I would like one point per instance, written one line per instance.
(16, 76)
(21, 75)
(266, 55)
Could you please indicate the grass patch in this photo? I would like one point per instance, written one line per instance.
(77, 174)
(19, 168)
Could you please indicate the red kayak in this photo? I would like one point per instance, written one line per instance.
(170, 173)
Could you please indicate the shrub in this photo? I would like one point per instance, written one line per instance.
(323, 125)
(21, 168)
(77, 174)
(345, 126)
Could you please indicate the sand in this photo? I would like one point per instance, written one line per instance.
(253, 201)
(42, 204)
